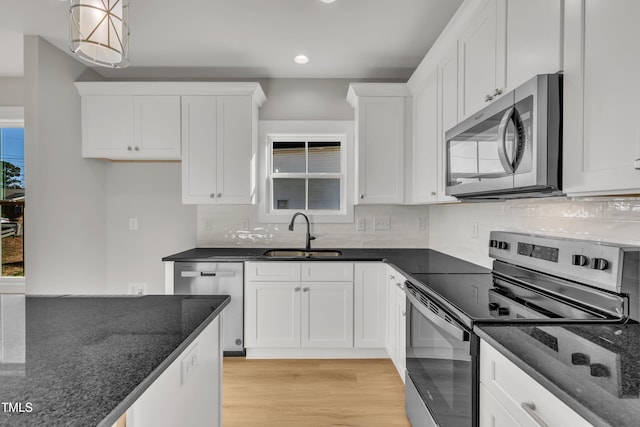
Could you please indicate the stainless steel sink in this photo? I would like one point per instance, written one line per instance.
(301, 253)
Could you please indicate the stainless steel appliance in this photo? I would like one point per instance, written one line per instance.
(535, 280)
(217, 278)
(511, 148)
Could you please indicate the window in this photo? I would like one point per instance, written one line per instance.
(306, 173)
(12, 195)
(305, 168)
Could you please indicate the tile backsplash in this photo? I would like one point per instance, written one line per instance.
(238, 226)
(453, 227)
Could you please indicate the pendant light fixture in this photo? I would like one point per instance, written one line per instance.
(99, 31)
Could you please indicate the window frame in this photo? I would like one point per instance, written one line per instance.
(306, 131)
(12, 117)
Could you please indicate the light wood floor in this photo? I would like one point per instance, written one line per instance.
(310, 393)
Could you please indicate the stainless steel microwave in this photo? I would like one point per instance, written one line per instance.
(512, 148)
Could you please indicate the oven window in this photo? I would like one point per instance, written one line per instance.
(440, 366)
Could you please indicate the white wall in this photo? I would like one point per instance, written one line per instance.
(150, 192)
(12, 91)
(65, 214)
(603, 219)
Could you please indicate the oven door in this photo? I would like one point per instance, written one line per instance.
(441, 365)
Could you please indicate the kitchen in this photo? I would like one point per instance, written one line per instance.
(92, 237)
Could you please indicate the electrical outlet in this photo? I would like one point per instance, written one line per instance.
(244, 224)
(381, 223)
(138, 288)
(188, 365)
(421, 223)
(474, 230)
(133, 224)
(360, 224)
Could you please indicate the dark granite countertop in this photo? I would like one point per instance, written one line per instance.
(604, 385)
(409, 260)
(82, 361)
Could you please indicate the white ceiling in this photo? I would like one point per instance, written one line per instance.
(248, 38)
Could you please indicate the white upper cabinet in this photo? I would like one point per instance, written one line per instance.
(425, 146)
(380, 139)
(218, 149)
(126, 127)
(481, 59)
(534, 40)
(601, 139)
(505, 44)
(447, 112)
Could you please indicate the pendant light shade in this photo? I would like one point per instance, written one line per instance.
(99, 32)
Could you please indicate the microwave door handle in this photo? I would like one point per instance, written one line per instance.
(450, 328)
(502, 141)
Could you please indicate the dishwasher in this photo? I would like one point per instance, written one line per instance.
(217, 278)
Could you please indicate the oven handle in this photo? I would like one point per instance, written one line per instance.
(453, 330)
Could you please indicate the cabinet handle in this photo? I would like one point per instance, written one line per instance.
(497, 92)
(212, 196)
(530, 409)
(392, 277)
(398, 284)
(296, 289)
(362, 196)
(488, 98)
(404, 313)
(129, 148)
(305, 289)
(433, 193)
(137, 148)
(636, 164)
(219, 195)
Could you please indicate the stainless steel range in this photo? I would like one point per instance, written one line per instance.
(535, 279)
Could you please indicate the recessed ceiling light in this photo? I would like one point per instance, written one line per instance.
(301, 59)
(327, 1)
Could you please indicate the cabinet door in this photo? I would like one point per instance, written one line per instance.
(380, 149)
(447, 113)
(157, 127)
(327, 314)
(533, 49)
(481, 58)
(492, 413)
(391, 313)
(272, 314)
(370, 302)
(425, 149)
(234, 160)
(107, 126)
(401, 332)
(199, 133)
(601, 141)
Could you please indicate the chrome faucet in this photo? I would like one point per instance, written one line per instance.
(309, 236)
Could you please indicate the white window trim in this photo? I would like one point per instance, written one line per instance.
(11, 117)
(270, 129)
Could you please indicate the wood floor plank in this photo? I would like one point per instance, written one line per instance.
(314, 393)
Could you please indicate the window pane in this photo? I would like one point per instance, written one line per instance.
(324, 194)
(289, 157)
(324, 157)
(12, 200)
(288, 193)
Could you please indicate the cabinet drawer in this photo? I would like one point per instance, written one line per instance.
(327, 271)
(515, 390)
(492, 413)
(272, 271)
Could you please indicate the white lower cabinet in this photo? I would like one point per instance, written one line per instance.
(396, 324)
(296, 310)
(370, 304)
(510, 397)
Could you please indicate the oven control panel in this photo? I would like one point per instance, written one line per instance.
(595, 263)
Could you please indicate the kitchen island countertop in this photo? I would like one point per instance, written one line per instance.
(82, 361)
